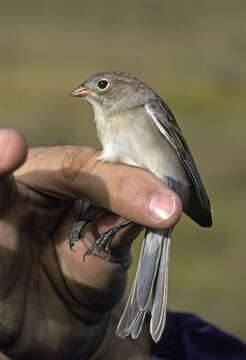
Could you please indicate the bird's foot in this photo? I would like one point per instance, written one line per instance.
(104, 242)
(78, 226)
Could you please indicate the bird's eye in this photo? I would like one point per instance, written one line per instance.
(102, 84)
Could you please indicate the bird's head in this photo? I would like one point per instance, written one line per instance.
(113, 91)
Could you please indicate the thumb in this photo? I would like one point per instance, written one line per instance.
(13, 151)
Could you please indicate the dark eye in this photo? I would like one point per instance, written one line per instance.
(102, 84)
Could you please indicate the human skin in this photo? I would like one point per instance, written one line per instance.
(52, 304)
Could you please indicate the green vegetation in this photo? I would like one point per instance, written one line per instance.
(193, 54)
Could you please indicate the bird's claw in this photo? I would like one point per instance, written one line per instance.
(102, 244)
(75, 232)
(78, 226)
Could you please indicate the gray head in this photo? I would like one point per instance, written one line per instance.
(114, 91)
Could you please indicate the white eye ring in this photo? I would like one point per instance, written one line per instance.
(103, 84)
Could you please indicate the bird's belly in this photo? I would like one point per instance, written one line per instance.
(146, 148)
(160, 159)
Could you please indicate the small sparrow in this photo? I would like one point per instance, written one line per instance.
(136, 127)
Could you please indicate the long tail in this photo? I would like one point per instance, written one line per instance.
(151, 279)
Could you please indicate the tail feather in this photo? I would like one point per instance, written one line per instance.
(138, 324)
(130, 313)
(148, 266)
(151, 277)
(158, 312)
(132, 316)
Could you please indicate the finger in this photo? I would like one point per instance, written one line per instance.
(76, 173)
(13, 150)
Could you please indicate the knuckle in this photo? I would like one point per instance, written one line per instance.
(74, 160)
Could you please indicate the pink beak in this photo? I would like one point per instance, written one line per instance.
(80, 92)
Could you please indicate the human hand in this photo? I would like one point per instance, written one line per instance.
(53, 304)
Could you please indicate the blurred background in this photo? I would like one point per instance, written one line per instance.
(193, 54)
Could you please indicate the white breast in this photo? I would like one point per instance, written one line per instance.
(133, 138)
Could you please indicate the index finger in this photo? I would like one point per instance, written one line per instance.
(75, 172)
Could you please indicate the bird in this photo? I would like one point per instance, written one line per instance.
(136, 127)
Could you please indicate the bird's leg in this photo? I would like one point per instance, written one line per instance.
(103, 243)
(78, 226)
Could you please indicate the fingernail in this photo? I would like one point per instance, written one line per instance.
(161, 207)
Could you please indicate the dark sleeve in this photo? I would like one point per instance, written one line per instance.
(187, 337)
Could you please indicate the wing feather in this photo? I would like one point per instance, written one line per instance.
(168, 126)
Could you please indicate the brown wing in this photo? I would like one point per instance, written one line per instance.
(168, 126)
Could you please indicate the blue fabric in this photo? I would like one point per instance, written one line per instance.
(187, 337)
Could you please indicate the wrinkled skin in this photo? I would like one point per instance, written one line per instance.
(52, 304)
